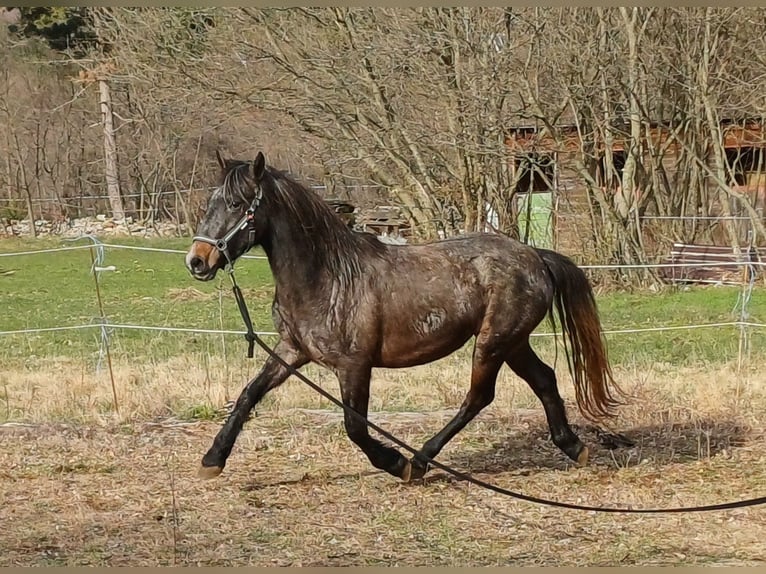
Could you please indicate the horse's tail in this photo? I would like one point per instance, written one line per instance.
(586, 352)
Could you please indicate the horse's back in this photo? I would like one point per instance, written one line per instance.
(435, 296)
(490, 257)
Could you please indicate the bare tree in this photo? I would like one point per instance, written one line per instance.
(640, 105)
(417, 99)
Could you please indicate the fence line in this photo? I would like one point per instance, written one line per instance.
(696, 217)
(746, 262)
(105, 326)
(164, 250)
(246, 256)
(320, 186)
(81, 198)
(113, 246)
(50, 329)
(273, 333)
(669, 264)
(39, 200)
(52, 250)
(102, 325)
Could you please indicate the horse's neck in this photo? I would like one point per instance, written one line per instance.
(299, 268)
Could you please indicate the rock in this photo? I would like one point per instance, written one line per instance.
(98, 225)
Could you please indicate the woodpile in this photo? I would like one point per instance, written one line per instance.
(710, 264)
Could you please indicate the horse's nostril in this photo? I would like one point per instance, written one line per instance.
(197, 264)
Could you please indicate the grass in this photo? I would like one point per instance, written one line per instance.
(297, 493)
(146, 288)
(83, 485)
(149, 288)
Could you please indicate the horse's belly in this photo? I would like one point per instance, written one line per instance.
(427, 339)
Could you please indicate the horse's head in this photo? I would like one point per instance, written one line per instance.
(233, 222)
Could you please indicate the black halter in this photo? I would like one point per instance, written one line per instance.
(246, 221)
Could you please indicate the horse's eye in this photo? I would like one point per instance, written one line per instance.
(235, 205)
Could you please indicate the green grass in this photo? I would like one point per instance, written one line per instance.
(57, 289)
(679, 306)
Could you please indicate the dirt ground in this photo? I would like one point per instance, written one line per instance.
(297, 492)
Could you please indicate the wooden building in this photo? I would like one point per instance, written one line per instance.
(549, 170)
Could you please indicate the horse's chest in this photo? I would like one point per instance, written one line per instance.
(309, 329)
(287, 320)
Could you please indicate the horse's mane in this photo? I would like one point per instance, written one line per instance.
(332, 242)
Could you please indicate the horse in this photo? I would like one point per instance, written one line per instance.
(350, 303)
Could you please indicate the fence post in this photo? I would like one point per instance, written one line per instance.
(97, 260)
(748, 280)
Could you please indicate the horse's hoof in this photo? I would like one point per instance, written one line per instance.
(417, 471)
(208, 472)
(582, 458)
(414, 470)
(406, 474)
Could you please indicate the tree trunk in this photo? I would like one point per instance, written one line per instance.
(25, 186)
(110, 152)
(719, 153)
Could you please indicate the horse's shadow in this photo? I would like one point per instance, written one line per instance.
(524, 452)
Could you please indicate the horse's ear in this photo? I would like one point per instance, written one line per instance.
(259, 166)
(221, 161)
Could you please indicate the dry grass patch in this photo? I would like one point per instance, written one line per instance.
(63, 389)
(82, 486)
(296, 492)
(189, 294)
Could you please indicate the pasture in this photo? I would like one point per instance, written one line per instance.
(84, 485)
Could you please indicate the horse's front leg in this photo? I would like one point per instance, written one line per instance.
(355, 392)
(272, 375)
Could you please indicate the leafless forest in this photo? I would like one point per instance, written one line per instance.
(119, 110)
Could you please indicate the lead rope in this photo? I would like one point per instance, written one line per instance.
(222, 245)
(252, 338)
(250, 335)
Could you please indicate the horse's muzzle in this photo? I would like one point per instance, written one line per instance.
(198, 263)
(201, 270)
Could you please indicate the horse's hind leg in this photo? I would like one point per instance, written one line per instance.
(542, 379)
(486, 364)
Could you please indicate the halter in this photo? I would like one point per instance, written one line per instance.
(246, 221)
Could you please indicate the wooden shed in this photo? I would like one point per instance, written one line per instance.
(384, 220)
(343, 208)
(556, 162)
